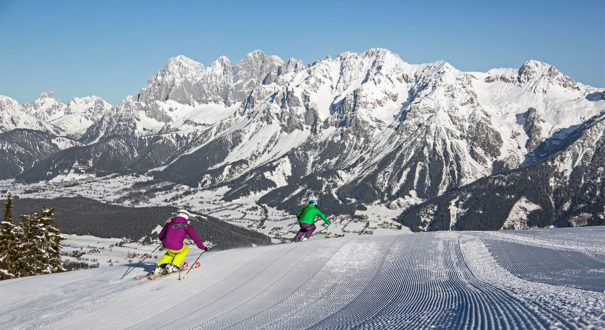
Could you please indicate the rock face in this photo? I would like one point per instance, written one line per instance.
(354, 130)
(565, 189)
(188, 82)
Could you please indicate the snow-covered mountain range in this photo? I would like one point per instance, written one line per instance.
(357, 130)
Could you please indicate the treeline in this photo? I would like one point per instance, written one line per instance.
(30, 247)
(83, 216)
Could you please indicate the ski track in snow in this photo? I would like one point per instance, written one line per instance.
(442, 280)
(558, 267)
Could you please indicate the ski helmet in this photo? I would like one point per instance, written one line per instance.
(314, 202)
(183, 214)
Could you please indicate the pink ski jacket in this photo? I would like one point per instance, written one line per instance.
(173, 234)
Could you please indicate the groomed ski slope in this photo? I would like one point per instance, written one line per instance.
(529, 279)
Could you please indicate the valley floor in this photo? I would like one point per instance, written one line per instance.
(524, 279)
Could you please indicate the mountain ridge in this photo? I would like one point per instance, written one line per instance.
(357, 129)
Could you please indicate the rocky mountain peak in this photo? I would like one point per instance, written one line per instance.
(254, 56)
(256, 65)
(47, 95)
(380, 54)
(533, 69)
(438, 70)
(188, 82)
(46, 106)
(293, 62)
(178, 68)
(182, 63)
(86, 100)
(222, 61)
(541, 76)
(13, 115)
(8, 102)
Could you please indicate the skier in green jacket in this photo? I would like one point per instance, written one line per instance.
(306, 219)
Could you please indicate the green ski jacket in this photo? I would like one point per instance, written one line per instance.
(308, 214)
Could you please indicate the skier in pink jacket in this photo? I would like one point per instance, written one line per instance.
(172, 235)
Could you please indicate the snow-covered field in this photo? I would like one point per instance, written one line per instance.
(109, 252)
(521, 279)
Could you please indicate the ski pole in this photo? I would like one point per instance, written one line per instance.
(292, 226)
(327, 231)
(135, 266)
(195, 262)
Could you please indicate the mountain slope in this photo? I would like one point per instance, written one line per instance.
(564, 189)
(403, 281)
(20, 149)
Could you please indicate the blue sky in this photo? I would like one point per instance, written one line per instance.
(110, 48)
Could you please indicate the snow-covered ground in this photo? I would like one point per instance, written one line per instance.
(109, 252)
(520, 279)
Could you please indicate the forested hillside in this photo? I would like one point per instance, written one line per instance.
(83, 216)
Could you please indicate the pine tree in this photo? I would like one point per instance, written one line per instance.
(42, 244)
(11, 237)
(51, 241)
(8, 208)
(33, 247)
(33, 259)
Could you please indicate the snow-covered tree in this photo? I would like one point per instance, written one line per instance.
(42, 244)
(32, 262)
(51, 241)
(11, 236)
(31, 247)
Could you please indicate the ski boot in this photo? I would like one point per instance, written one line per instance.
(157, 271)
(170, 268)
